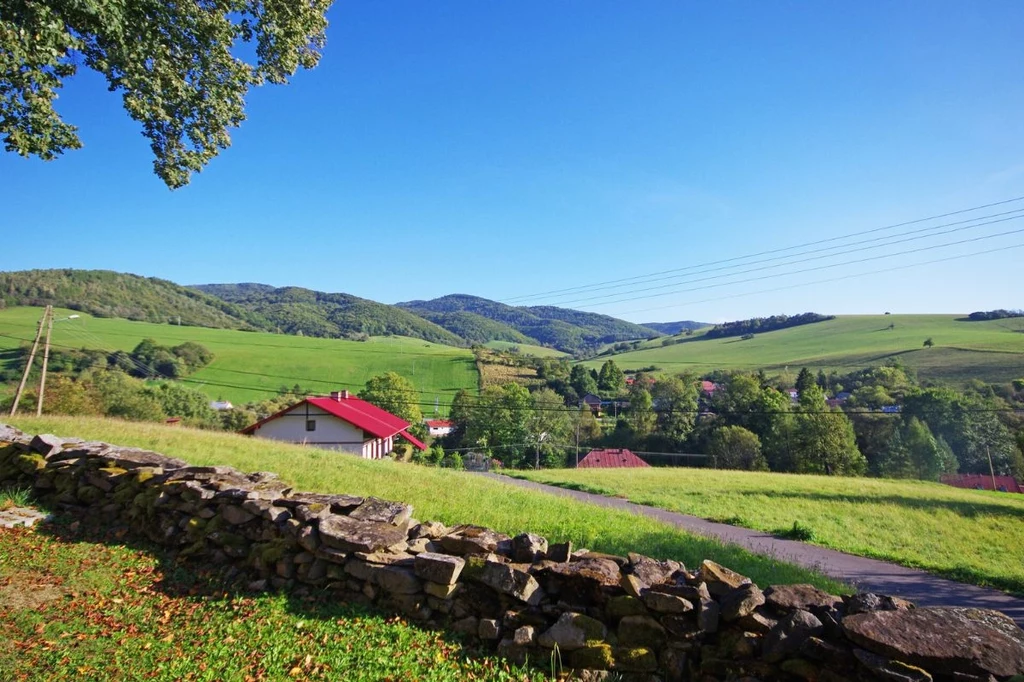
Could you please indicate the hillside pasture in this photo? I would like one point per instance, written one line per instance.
(254, 365)
(992, 351)
(527, 349)
(451, 497)
(968, 535)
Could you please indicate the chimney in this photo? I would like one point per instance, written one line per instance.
(338, 396)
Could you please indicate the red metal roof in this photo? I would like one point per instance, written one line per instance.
(439, 423)
(356, 411)
(612, 459)
(982, 482)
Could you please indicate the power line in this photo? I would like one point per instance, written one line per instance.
(771, 251)
(846, 250)
(805, 270)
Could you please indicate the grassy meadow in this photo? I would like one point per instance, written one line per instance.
(448, 496)
(991, 351)
(253, 365)
(968, 535)
(527, 349)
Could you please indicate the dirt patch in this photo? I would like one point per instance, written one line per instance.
(22, 591)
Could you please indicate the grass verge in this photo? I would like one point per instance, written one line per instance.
(968, 535)
(439, 494)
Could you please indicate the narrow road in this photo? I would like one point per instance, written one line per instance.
(867, 575)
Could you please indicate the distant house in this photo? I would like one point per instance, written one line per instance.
(709, 388)
(593, 402)
(1006, 484)
(611, 459)
(340, 422)
(439, 427)
(221, 405)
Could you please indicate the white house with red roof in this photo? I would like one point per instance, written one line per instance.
(339, 422)
(440, 427)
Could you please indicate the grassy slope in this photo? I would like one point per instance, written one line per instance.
(992, 351)
(528, 349)
(321, 364)
(969, 535)
(439, 494)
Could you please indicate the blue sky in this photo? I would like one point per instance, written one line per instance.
(509, 149)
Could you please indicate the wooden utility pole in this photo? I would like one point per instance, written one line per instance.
(991, 469)
(31, 359)
(46, 360)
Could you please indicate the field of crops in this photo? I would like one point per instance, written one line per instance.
(991, 351)
(253, 365)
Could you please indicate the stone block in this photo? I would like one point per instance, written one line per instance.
(439, 568)
(354, 535)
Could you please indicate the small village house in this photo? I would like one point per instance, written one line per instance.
(593, 402)
(611, 459)
(340, 422)
(439, 427)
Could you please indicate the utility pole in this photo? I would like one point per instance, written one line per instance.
(31, 359)
(46, 360)
(991, 469)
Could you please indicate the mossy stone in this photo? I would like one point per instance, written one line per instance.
(636, 659)
(89, 494)
(624, 605)
(592, 657)
(31, 463)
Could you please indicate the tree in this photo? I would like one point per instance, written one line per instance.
(177, 65)
(611, 380)
(823, 439)
(394, 393)
(640, 416)
(550, 427)
(582, 380)
(804, 380)
(734, 447)
(676, 402)
(928, 343)
(177, 400)
(65, 395)
(500, 421)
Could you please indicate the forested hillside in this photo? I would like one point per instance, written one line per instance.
(561, 328)
(673, 328)
(294, 310)
(113, 294)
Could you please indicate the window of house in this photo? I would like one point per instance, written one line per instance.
(311, 425)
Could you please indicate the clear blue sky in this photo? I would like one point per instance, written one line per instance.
(504, 149)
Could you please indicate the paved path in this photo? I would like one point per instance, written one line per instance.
(867, 575)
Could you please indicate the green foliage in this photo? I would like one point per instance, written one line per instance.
(610, 380)
(112, 294)
(582, 381)
(567, 330)
(150, 360)
(676, 401)
(499, 423)
(759, 325)
(797, 531)
(178, 67)
(734, 447)
(294, 310)
(15, 497)
(551, 427)
(928, 343)
(823, 440)
(913, 452)
(394, 393)
(641, 416)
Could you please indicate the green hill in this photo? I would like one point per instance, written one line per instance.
(103, 293)
(475, 328)
(561, 328)
(294, 310)
(674, 327)
(991, 351)
(254, 365)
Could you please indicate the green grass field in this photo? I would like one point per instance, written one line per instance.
(527, 349)
(992, 351)
(969, 535)
(253, 365)
(448, 496)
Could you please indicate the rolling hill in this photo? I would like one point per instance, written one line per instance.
(672, 328)
(992, 351)
(103, 293)
(294, 310)
(254, 365)
(562, 328)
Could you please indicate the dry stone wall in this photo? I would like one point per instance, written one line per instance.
(641, 618)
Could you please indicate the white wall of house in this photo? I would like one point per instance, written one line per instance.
(439, 430)
(330, 432)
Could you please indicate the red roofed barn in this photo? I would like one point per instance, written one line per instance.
(1006, 484)
(439, 427)
(340, 422)
(612, 459)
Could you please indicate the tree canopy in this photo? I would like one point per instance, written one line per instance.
(177, 66)
(396, 394)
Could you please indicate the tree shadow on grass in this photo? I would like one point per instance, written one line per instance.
(183, 585)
